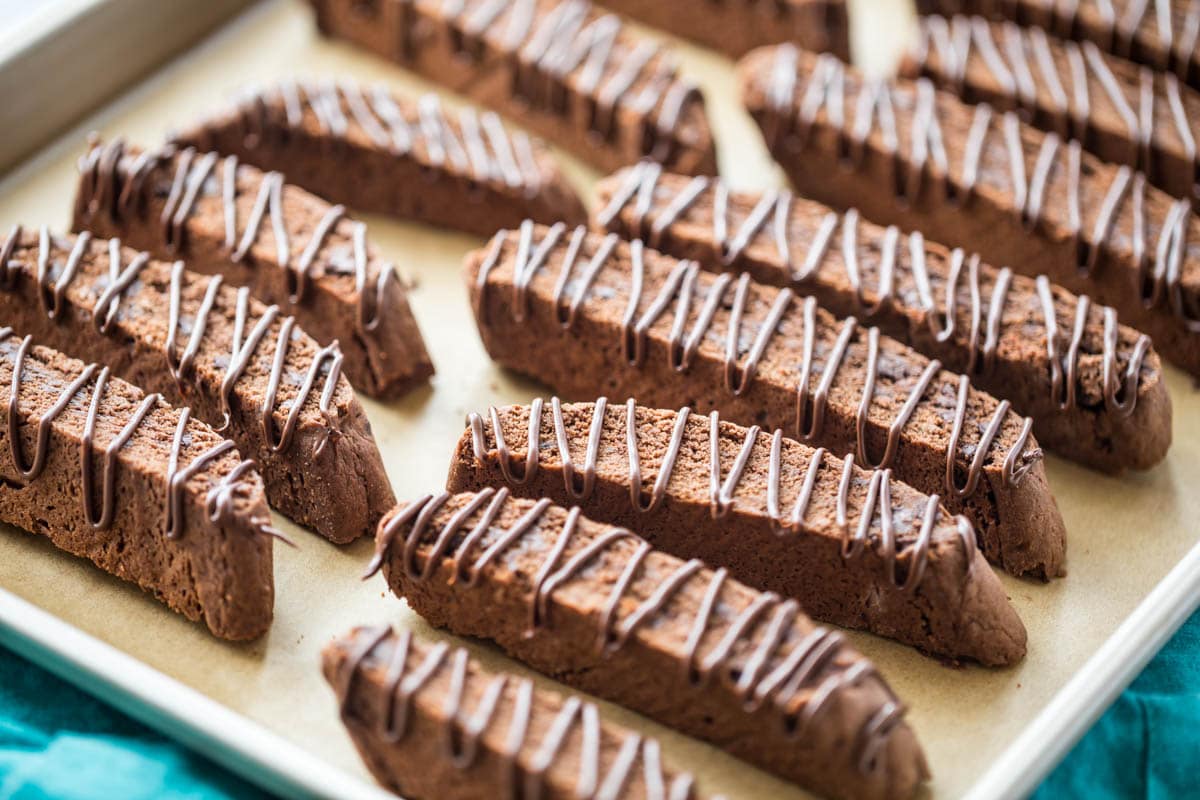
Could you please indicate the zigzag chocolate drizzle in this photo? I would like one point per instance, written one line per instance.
(181, 365)
(472, 143)
(101, 179)
(579, 483)
(1159, 273)
(806, 667)
(219, 501)
(769, 220)
(680, 286)
(545, 46)
(1024, 51)
(461, 734)
(1122, 19)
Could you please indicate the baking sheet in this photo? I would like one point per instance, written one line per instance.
(1125, 534)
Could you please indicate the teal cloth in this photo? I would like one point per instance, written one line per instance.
(58, 742)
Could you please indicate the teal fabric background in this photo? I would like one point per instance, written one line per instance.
(58, 742)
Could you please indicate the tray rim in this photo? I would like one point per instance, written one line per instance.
(159, 701)
(276, 765)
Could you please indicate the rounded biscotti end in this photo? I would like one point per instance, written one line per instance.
(1040, 551)
(354, 484)
(992, 633)
(1150, 421)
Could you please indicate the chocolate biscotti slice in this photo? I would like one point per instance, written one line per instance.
(737, 27)
(290, 247)
(1162, 34)
(378, 151)
(431, 723)
(562, 68)
(244, 368)
(969, 177)
(599, 609)
(590, 315)
(1122, 112)
(854, 547)
(141, 489)
(1094, 388)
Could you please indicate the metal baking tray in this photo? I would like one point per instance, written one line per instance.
(264, 710)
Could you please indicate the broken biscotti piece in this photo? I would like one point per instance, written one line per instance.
(907, 155)
(431, 723)
(854, 547)
(1094, 388)
(242, 367)
(736, 28)
(562, 68)
(1122, 112)
(139, 488)
(591, 315)
(377, 151)
(290, 247)
(1162, 34)
(599, 609)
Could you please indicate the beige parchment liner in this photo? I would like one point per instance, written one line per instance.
(1125, 533)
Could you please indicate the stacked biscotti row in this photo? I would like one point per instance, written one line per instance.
(780, 414)
(773, 407)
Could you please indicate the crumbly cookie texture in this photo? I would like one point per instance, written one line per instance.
(242, 367)
(564, 69)
(289, 247)
(141, 489)
(1093, 387)
(1162, 34)
(599, 609)
(591, 315)
(971, 177)
(854, 547)
(469, 733)
(1124, 113)
(378, 151)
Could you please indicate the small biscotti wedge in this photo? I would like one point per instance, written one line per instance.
(1122, 112)
(137, 487)
(290, 247)
(377, 151)
(854, 547)
(562, 68)
(1094, 388)
(242, 367)
(735, 28)
(590, 315)
(908, 155)
(467, 732)
(599, 609)
(1162, 34)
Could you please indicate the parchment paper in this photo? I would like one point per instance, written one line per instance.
(1125, 533)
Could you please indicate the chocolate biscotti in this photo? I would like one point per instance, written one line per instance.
(141, 489)
(431, 723)
(1120, 111)
(599, 609)
(1162, 34)
(562, 68)
(374, 150)
(242, 367)
(737, 27)
(1094, 388)
(290, 247)
(854, 547)
(969, 177)
(590, 315)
